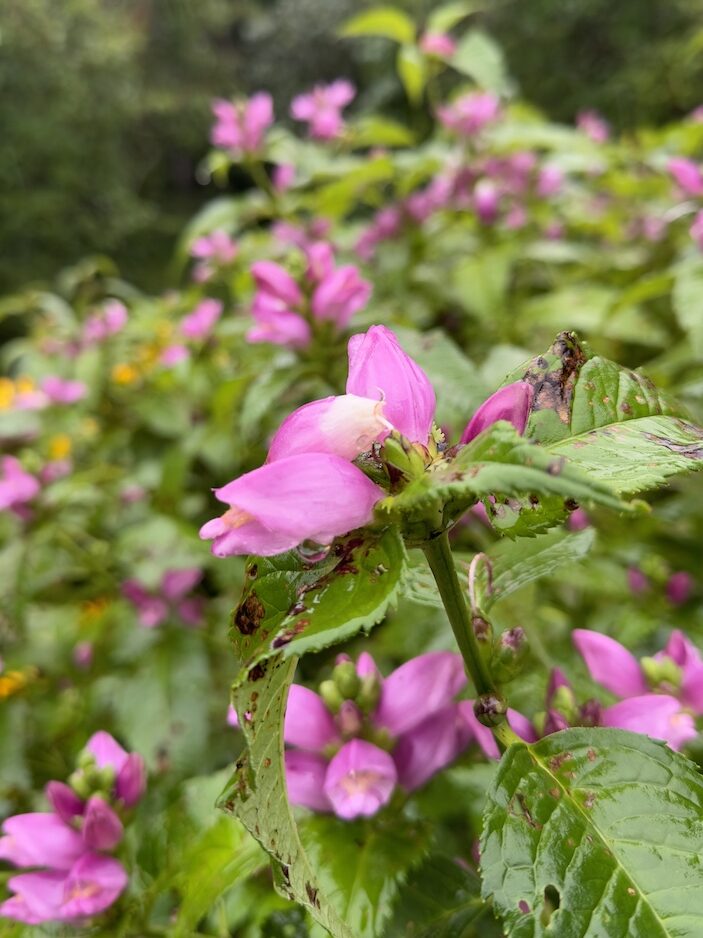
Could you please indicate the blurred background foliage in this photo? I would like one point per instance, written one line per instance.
(104, 105)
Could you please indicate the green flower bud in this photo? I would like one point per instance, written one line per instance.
(509, 654)
(564, 701)
(490, 709)
(369, 692)
(346, 679)
(399, 452)
(332, 697)
(80, 784)
(660, 671)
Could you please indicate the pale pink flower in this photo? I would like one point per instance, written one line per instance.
(200, 323)
(108, 321)
(171, 598)
(174, 355)
(61, 391)
(322, 108)
(17, 487)
(593, 125)
(212, 251)
(283, 177)
(470, 113)
(686, 174)
(438, 44)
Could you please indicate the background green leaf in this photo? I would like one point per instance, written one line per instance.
(595, 832)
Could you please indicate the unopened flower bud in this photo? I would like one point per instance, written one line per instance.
(508, 654)
(349, 720)
(483, 630)
(80, 784)
(660, 671)
(332, 697)
(490, 709)
(346, 679)
(563, 701)
(400, 453)
(86, 759)
(369, 692)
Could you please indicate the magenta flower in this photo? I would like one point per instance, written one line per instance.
(439, 44)
(92, 885)
(110, 320)
(322, 107)
(214, 250)
(129, 768)
(17, 487)
(679, 587)
(297, 498)
(283, 177)
(676, 671)
(60, 391)
(170, 599)
(40, 839)
(470, 113)
(486, 201)
(339, 295)
(593, 125)
(240, 126)
(174, 355)
(379, 735)
(686, 174)
(511, 403)
(200, 323)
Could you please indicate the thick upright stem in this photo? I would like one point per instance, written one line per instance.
(439, 557)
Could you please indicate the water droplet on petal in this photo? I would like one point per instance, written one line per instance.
(312, 552)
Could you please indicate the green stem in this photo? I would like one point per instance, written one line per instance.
(439, 556)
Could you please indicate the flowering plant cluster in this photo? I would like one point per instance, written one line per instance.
(431, 506)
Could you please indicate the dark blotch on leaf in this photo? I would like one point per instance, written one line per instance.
(257, 672)
(312, 895)
(249, 615)
(553, 389)
(552, 901)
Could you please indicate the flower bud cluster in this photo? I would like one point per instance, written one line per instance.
(73, 877)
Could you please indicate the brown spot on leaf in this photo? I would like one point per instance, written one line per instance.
(591, 755)
(526, 813)
(589, 800)
(287, 635)
(556, 762)
(312, 895)
(554, 389)
(690, 450)
(248, 616)
(257, 672)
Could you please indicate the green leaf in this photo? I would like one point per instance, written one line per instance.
(686, 297)
(292, 607)
(448, 15)
(514, 565)
(372, 130)
(388, 22)
(362, 864)
(595, 832)
(608, 421)
(441, 899)
(412, 71)
(480, 58)
(257, 792)
(501, 463)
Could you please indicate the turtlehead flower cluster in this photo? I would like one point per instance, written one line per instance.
(659, 695)
(310, 487)
(322, 108)
(364, 736)
(212, 252)
(170, 600)
(287, 312)
(73, 877)
(240, 126)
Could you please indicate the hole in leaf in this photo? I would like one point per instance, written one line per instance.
(552, 901)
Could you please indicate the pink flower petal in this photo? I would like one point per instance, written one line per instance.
(305, 779)
(511, 403)
(92, 885)
(102, 828)
(609, 663)
(419, 688)
(431, 745)
(40, 839)
(360, 779)
(308, 722)
(656, 715)
(106, 750)
(381, 370)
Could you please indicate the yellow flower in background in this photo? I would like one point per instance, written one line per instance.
(91, 610)
(60, 446)
(123, 373)
(7, 393)
(13, 682)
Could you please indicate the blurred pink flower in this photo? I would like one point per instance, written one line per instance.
(61, 391)
(593, 125)
(439, 44)
(283, 176)
(17, 487)
(240, 126)
(173, 355)
(322, 108)
(200, 323)
(679, 587)
(470, 113)
(212, 251)
(686, 174)
(171, 599)
(696, 229)
(108, 321)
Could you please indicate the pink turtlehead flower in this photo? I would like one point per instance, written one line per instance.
(439, 44)
(200, 323)
(611, 665)
(212, 251)
(171, 598)
(40, 839)
(549, 181)
(686, 174)
(108, 321)
(340, 294)
(174, 355)
(301, 236)
(283, 177)
(511, 403)
(593, 125)
(322, 107)
(470, 113)
(311, 496)
(696, 229)
(92, 884)
(335, 765)
(17, 487)
(379, 369)
(129, 768)
(240, 126)
(486, 200)
(61, 391)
